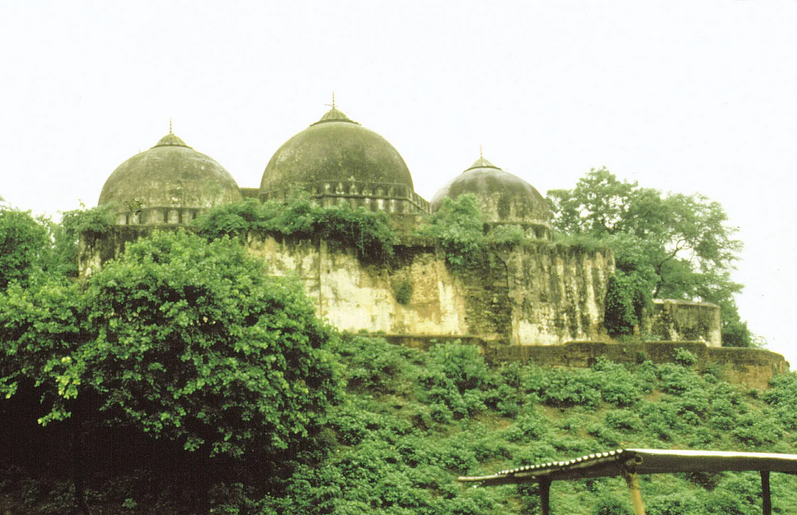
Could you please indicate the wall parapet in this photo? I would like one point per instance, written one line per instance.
(753, 367)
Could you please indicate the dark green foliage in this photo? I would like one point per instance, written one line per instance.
(209, 341)
(389, 460)
(90, 223)
(403, 292)
(368, 233)
(506, 235)
(782, 397)
(179, 341)
(411, 421)
(674, 504)
(31, 246)
(454, 381)
(373, 365)
(685, 358)
(24, 245)
(626, 301)
(610, 505)
(459, 227)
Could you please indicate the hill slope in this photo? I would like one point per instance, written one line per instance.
(411, 421)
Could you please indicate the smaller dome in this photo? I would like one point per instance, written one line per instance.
(504, 198)
(169, 183)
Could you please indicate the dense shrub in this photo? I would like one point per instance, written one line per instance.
(459, 227)
(411, 421)
(368, 233)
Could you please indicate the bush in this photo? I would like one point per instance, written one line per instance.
(458, 226)
(610, 505)
(376, 366)
(564, 388)
(685, 358)
(368, 233)
(402, 291)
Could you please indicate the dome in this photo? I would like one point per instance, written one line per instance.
(169, 183)
(504, 198)
(336, 150)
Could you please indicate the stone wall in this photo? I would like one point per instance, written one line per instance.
(534, 294)
(753, 367)
(531, 295)
(684, 320)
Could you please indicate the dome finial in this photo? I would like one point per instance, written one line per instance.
(170, 126)
(481, 153)
(334, 115)
(332, 105)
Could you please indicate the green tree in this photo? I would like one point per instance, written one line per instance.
(88, 223)
(667, 246)
(179, 339)
(459, 227)
(24, 244)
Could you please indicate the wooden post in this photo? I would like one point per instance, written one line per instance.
(765, 496)
(632, 479)
(545, 496)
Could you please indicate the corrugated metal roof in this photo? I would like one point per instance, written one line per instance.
(641, 461)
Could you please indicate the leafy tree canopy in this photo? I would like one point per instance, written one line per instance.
(667, 246)
(32, 245)
(24, 244)
(459, 227)
(181, 339)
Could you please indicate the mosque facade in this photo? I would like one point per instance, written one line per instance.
(540, 294)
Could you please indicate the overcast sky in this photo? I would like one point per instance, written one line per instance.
(681, 96)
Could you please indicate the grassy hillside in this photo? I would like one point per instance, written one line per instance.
(411, 421)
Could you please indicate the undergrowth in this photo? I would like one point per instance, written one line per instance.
(411, 421)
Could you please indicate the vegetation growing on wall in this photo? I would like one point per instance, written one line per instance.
(368, 233)
(402, 291)
(459, 227)
(666, 246)
(33, 245)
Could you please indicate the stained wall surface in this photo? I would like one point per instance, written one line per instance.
(532, 295)
(535, 294)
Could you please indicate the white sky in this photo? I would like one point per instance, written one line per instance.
(681, 96)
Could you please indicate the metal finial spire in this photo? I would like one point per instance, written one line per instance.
(170, 126)
(481, 153)
(333, 105)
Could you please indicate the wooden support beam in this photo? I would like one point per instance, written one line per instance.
(632, 479)
(545, 496)
(765, 495)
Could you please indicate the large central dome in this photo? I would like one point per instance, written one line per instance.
(337, 156)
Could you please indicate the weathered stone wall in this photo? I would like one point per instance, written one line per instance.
(531, 295)
(753, 367)
(683, 320)
(534, 294)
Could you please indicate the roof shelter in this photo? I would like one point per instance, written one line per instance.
(629, 463)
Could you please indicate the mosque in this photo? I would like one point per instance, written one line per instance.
(538, 294)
